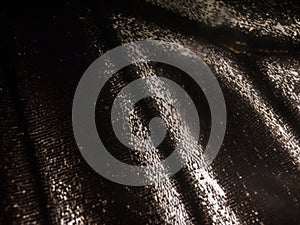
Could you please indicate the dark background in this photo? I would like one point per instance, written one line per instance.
(251, 46)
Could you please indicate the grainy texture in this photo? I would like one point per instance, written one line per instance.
(252, 48)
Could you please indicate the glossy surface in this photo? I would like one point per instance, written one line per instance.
(251, 48)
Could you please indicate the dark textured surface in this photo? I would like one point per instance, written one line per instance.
(252, 48)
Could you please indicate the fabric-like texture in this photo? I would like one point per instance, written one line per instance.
(251, 47)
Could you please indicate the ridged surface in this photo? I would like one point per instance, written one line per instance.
(252, 48)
